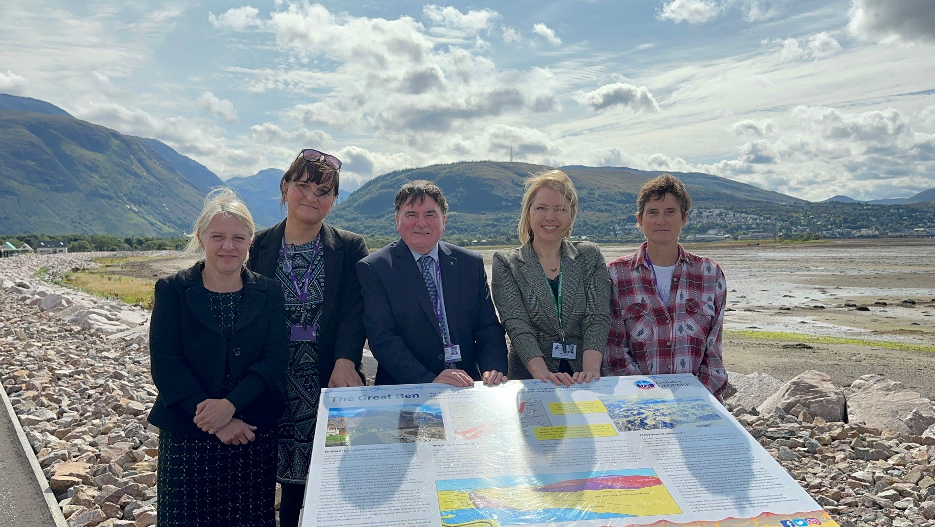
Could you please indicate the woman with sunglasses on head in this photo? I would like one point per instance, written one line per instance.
(553, 295)
(315, 265)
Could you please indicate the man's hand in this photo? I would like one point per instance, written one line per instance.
(590, 367)
(458, 378)
(493, 377)
(344, 375)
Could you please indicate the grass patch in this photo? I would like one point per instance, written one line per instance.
(800, 337)
(106, 281)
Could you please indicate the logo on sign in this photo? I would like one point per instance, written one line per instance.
(644, 385)
(800, 522)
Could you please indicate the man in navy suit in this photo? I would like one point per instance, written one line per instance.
(427, 307)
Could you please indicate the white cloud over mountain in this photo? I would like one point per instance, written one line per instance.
(810, 98)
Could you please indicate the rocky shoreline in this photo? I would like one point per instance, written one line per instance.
(76, 369)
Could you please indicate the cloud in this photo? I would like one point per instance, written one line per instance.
(700, 11)
(222, 108)
(474, 21)
(511, 36)
(634, 98)
(372, 42)
(12, 83)
(691, 11)
(892, 20)
(751, 128)
(819, 46)
(440, 116)
(760, 81)
(272, 134)
(547, 33)
(238, 18)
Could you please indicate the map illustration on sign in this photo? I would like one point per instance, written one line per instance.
(630, 414)
(544, 498)
(383, 425)
(474, 419)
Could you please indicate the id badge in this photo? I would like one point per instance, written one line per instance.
(452, 353)
(564, 351)
(300, 333)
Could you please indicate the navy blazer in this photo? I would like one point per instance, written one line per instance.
(400, 321)
(341, 326)
(188, 352)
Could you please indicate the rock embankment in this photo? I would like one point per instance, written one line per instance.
(76, 369)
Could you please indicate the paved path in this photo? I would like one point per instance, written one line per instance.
(22, 503)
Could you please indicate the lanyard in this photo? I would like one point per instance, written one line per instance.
(655, 278)
(439, 315)
(558, 302)
(287, 252)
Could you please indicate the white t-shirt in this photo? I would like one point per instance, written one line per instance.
(664, 281)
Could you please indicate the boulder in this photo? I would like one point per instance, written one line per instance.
(750, 391)
(887, 405)
(814, 391)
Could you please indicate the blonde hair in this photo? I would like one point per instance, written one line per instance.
(555, 180)
(220, 201)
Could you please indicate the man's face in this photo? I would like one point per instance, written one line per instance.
(420, 225)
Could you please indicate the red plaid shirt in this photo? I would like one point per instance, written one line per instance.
(648, 338)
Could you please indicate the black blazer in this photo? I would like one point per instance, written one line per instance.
(400, 320)
(341, 326)
(188, 352)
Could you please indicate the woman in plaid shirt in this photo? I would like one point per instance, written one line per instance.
(667, 304)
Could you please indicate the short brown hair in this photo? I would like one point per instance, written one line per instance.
(555, 180)
(316, 172)
(418, 190)
(658, 187)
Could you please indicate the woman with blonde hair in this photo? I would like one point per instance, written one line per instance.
(218, 353)
(553, 294)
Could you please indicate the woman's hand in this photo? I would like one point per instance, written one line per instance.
(236, 432)
(213, 414)
(539, 370)
(493, 377)
(344, 375)
(590, 367)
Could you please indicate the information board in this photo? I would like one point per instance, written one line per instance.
(654, 450)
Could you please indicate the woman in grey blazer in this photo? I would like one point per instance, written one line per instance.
(553, 295)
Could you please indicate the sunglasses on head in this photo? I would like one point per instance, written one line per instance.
(310, 154)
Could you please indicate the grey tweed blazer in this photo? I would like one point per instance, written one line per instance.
(527, 307)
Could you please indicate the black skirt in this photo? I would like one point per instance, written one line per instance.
(203, 482)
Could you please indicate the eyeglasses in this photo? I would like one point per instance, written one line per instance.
(310, 154)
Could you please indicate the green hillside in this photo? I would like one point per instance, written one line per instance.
(62, 175)
(484, 197)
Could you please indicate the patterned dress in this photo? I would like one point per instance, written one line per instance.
(303, 388)
(204, 482)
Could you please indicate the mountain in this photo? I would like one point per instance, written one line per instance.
(61, 175)
(922, 197)
(196, 173)
(261, 194)
(839, 199)
(26, 104)
(485, 197)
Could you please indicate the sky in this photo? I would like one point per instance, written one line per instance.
(805, 97)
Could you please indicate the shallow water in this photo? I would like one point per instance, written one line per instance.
(777, 287)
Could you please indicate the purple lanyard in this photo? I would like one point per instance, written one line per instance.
(439, 316)
(287, 252)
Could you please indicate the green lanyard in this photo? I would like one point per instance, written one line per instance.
(558, 303)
